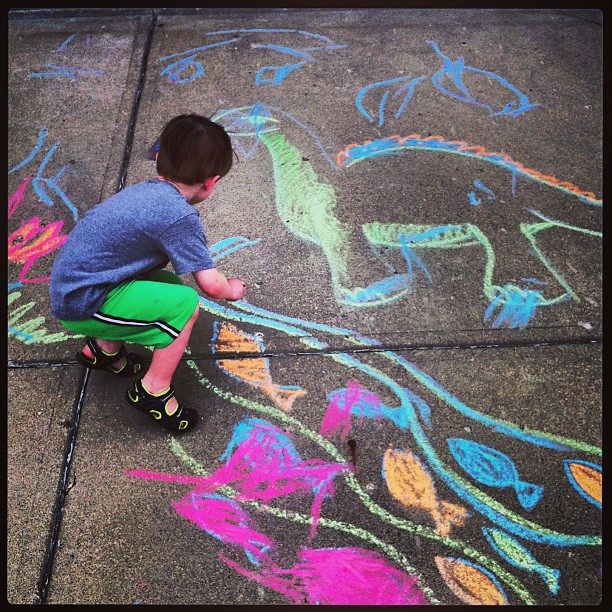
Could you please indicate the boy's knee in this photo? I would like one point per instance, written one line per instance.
(196, 312)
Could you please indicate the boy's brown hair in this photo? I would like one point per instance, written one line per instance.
(193, 148)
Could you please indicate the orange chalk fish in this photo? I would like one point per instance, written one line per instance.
(254, 371)
(586, 478)
(411, 484)
(471, 583)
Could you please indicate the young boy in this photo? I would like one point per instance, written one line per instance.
(108, 284)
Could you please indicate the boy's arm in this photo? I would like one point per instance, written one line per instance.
(215, 285)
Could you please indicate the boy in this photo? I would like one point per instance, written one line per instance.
(108, 284)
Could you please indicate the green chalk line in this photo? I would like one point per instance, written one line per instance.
(306, 206)
(31, 332)
(468, 235)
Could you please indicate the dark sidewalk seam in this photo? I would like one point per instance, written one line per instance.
(348, 350)
(129, 141)
(62, 489)
(47, 567)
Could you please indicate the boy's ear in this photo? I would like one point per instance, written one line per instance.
(209, 183)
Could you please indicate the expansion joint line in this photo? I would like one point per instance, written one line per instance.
(62, 488)
(396, 348)
(129, 141)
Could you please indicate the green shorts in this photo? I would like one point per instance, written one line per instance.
(149, 312)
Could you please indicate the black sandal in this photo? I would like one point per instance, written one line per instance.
(179, 421)
(102, 361)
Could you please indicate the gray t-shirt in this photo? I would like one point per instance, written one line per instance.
(135, 231)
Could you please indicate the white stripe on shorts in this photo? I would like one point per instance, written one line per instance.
(115, 321)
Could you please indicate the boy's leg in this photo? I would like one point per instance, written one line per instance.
(112, 346)
(164, 363)
(154, 314)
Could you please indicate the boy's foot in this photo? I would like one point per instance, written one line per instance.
(120, 363)
(116, 365)
(170, 416)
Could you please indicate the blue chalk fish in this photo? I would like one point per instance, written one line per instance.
(491, 467)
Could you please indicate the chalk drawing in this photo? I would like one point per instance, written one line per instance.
(69, 72)
(39, 182)
(515, 305)
(65, 43)
(266, 75)
(69, 41)
(256, 371)
(344, 402)
(229, 245)
(411, 484)
(407, 89)
(471, 583)
(476, 201)
(262, 463)
(65, 71)
(338, 576)
(31, 331)
(473, 576)
(586, 478)
(516, 554)
(491, 467)
(263, 469)
(453, 71)
(392, 145)
(480, 501)
(32, 241)
(307, 206)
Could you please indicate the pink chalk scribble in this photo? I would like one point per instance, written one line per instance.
(338, 576)
(17, 197)
(344, 402)
(219, 516)
(261, 464)
(225, 520)
(32, 241)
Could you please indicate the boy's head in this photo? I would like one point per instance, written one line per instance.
(192, 149)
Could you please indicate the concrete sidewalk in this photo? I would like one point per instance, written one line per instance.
(413, 380)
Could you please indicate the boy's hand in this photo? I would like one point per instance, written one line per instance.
(238, 286)
(214, 284)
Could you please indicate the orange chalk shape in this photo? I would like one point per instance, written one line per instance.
(32, 241)
(410, 484)
(470, 584)
(588, 479)
(254, 371)
(478, 151)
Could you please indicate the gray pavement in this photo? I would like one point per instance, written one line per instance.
(413, 380)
